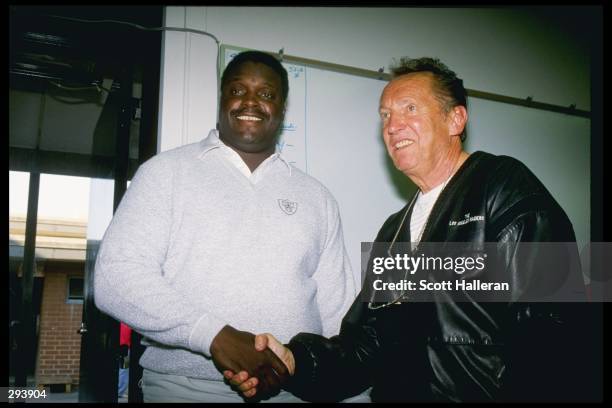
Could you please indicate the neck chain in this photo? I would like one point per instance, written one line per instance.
(398, 299)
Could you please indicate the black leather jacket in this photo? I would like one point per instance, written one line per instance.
(462, 351)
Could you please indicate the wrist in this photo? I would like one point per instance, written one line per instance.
(302, 362)
(219, 339)
(290, 362)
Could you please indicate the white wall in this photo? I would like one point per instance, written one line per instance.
(188, 96)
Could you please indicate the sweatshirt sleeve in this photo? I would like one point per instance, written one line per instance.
(129, 282)
(334, 276)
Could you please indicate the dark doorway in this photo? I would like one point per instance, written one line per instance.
(15, 293)
(65, 55)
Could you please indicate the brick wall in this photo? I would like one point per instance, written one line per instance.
(59, 345)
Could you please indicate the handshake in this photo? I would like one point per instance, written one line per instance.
(252, 364)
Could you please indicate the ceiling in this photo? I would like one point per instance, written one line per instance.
(65, 76)
(45, 43)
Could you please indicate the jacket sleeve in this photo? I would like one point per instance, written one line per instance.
(129, 282)
(330, 370)
(544, 339)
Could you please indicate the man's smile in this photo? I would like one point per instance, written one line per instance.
(249, 118)
(403, 143)
(249, 115)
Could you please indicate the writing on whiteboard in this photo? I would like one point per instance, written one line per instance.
(290, 127)
(293, 70)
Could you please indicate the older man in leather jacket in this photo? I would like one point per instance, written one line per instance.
(513, 350)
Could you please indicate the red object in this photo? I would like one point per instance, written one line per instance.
(125, 335)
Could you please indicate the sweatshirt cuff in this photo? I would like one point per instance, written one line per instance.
(203, 333)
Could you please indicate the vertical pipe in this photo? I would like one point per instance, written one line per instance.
(26, 333)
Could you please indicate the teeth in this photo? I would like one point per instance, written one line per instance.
(246, 117)
(403, 143)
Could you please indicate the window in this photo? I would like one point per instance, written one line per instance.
(75, 290)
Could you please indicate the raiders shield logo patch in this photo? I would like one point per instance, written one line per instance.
(289, 207)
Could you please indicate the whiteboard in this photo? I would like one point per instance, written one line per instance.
(336, 137)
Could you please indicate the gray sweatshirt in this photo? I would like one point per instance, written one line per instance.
(195, 245)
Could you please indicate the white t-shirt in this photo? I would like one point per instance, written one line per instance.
(420, 212)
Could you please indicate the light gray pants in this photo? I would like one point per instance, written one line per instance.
(157, 387)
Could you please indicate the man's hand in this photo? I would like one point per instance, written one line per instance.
(233, 350)
(247, 385)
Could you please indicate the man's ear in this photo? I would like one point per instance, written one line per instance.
(458, 120)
